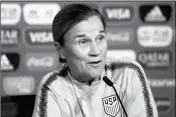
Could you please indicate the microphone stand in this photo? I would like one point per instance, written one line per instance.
(110, 83)
(119, 100)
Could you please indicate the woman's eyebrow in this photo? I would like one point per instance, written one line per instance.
(79, 36)
(102, 31)
(84, 35)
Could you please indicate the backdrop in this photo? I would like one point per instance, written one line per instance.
(140, 31)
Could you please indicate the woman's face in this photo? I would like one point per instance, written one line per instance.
(85, 49)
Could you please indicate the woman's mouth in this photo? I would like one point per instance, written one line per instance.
(95, 63)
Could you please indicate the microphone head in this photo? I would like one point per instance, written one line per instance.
(107, 81)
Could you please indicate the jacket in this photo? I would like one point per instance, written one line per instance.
(60, 95)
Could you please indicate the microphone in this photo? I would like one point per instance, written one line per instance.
(110, 83)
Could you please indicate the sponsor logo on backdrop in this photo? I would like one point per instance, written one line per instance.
(154, 36)
(114, 55)
(39, 37)
(9, 109)
(40, 13)
(155, 13)
(118, 13)
(16, 85)
(163, 104)
(155, 59)
(41, 61)
(119, 37)
(9, 36)
(10, 13)
(9, 61)
(162, 83)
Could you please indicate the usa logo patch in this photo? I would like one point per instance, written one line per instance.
(111, 105)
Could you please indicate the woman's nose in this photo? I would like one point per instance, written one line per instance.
(94, 50)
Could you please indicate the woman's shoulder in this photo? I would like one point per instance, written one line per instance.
(56, 82)
(48, 78)
(126, 73)
(123, 64)
(56, 77)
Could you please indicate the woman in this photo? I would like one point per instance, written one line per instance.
(78, 90)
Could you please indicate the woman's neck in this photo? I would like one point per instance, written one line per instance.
(83, 79)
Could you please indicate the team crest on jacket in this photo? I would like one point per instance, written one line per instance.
(111, 105)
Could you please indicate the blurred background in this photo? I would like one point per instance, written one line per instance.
(141, 31)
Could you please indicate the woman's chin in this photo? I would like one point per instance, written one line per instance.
(95, 74)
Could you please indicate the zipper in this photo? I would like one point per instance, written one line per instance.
(89, 98)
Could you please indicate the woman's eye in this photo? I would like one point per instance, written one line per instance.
(100, 38)
(84, 42)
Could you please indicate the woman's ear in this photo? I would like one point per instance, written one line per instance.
(60, 50)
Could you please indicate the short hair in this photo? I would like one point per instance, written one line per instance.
(70, 15)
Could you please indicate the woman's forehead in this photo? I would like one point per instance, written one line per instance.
(90, 25)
